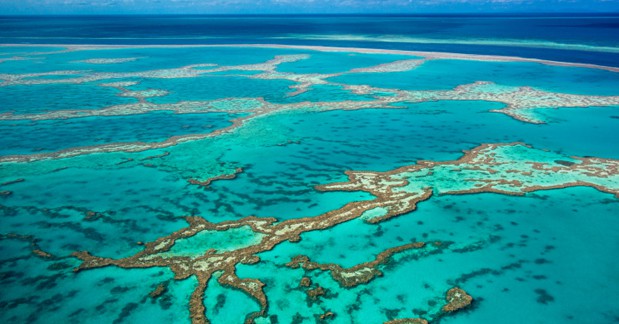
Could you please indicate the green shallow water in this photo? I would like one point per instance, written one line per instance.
(229, 240)
(547, 256)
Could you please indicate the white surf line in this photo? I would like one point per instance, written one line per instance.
(483, 42)
(441, 55)
(426, 54)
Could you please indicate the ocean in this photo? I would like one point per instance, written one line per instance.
(568, 37)
(309, 169)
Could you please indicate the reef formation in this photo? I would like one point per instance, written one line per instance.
(521, 103)
(495, 168)
(505, 168)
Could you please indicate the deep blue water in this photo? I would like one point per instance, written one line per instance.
(527, 36)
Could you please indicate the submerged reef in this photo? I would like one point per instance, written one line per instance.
(512, 169)
(207, 182)
(408, 321)
(456, 299)
(109, 60)
(358, 274)
(521, 103)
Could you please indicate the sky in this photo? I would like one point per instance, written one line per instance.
(21, 7)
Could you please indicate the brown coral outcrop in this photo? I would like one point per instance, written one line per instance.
(457, 299)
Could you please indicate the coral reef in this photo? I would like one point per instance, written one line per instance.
(521, 103)
(511, 169)
(407, 321)
(457, 299)
(359, 274)
(497, 168)
(208, 181)
(109, 60)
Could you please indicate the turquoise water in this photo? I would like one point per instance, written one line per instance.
(53, 135)
(546, 256)
(322, 62)
(216, 87)
(219, 240)
(540, 244)
(438, 75)
(317, 92)
(22, 99)
(145, 59)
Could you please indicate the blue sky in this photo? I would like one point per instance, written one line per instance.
(300, 6)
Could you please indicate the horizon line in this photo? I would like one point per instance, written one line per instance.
(463, 13)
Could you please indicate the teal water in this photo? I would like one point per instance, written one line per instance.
(53, 135)
(438, 75)
(547, 256)
(216, 87)
(26, 99)
(515, 246)
(322, 62)
(219, 240)
(317, 92)
(146, 59)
